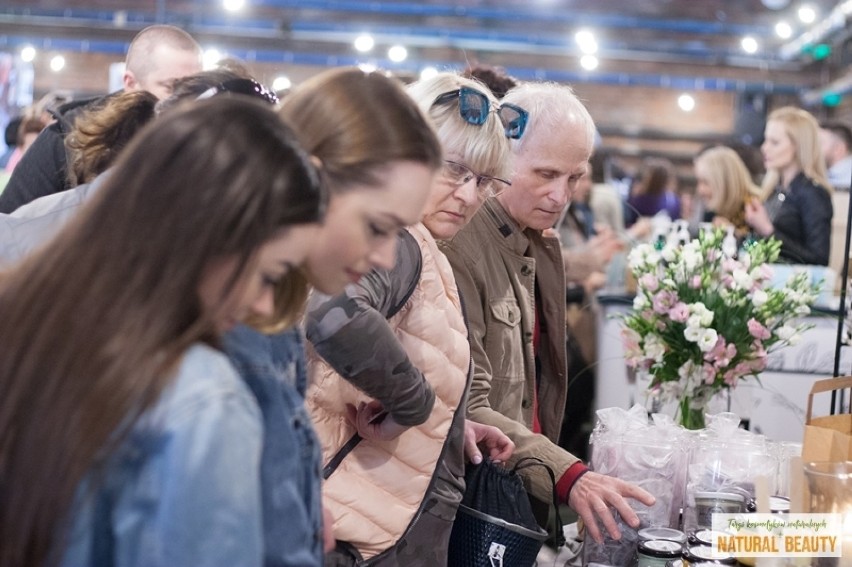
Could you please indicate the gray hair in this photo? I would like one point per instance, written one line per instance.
(484, 148)
(551, 106)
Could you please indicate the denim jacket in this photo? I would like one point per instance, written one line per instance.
(273, 367)
(183, 488)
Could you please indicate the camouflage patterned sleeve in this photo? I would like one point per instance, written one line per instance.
(351, 332)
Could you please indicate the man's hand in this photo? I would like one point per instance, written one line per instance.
(498, 445)
(594, 494)
(372, 422)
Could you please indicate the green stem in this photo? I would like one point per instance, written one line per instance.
(691, 418)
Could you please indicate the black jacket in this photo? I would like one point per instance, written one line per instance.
(43, 168)
(803, 221)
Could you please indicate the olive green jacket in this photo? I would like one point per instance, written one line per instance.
(497, 268)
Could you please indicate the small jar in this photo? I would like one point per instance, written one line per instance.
(701, 555)
(779, 505)
(657, 552)
(709, 503)
(668, 534)
(701, 537)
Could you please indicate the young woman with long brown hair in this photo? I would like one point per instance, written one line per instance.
(126, 437)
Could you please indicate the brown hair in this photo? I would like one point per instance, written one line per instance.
(656, 176)
(101, 133)
(356, 123)
(93, 326)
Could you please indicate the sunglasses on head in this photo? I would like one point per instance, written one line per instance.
(474, 108)
(248, 87)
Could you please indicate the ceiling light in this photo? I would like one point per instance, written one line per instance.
(589, 62)
(807, 14)
(233, 5)
(364, 42)
(783, 30)
(686, 102)
(210, 58)
(397, 53)
(586, 41)
(749, 44)
(281, 83)
(428, 73)
(367, 67)
(57, 63)
(28, 53)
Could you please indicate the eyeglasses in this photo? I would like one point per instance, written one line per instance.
(487, 186)
(474, 108)
(248, 87)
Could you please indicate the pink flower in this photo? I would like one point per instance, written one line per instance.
(757, 330)
(664, 301)
(680, 312)
(709, 372)
(649, 282)
(721, 354)
(695, 282)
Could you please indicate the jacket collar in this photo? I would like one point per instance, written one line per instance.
(507, 230)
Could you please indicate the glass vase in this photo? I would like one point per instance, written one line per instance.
(690, 414)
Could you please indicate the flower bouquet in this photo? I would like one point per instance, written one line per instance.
(703, 319)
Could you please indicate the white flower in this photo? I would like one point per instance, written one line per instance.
(704, 314)
(759, 298)
(640, 302)
(802, 310)
(742, 279)
(655, 348)
(643, 257)
(785, 332)
(692, 257)
(669, 253)
(708, 340)
(692, 333)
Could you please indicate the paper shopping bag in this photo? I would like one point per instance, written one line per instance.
(828, 438)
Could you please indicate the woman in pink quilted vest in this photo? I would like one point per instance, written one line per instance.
(390, 359)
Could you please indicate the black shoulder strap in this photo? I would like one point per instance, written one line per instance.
(412, 283)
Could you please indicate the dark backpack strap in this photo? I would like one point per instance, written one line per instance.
(412, 283)
(529, 462)
(338, 457)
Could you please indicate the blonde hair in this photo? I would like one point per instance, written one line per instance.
(803, 131)
(484, 148)
(730, 181)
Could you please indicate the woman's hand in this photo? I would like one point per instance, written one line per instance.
(497, 443)
(757, 218)
(373, 422)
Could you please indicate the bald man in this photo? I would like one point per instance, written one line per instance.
(157, 56)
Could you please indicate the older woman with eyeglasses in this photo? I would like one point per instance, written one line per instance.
(391, 359)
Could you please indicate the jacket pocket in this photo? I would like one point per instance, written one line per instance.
(506, 311)
(504, 344)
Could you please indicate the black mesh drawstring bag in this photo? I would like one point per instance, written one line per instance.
(495, 525)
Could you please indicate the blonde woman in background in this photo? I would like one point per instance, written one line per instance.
(797, 209)
(725, 186)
